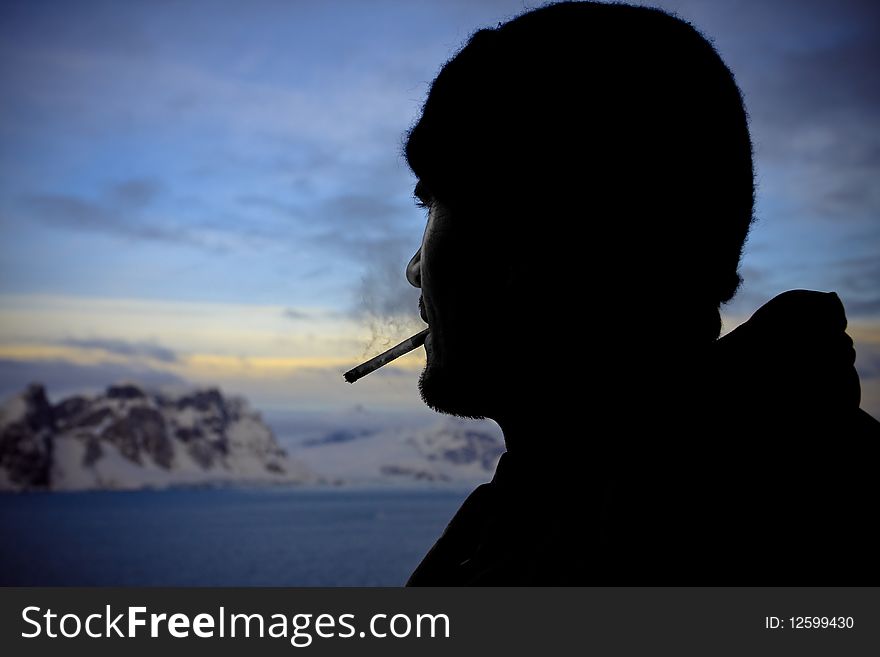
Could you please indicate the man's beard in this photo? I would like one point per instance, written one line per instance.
(452, 392)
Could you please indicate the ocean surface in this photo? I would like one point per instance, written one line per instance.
(219, 537)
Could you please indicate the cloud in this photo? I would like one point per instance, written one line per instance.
(313, 314)
(298, 160)
(858, 284)
(284, 210)
(79, 213)
(864, 307)
(135, 193)
(868, 364)
(62, 377)
(125, 348)
(813, 92)
(294, 313)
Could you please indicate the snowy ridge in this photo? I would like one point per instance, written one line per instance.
(449, 452)
(129, 438)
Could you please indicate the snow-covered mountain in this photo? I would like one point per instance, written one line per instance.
(130, 438)
(448, 452)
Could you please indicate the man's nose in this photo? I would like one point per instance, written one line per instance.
(414, 270)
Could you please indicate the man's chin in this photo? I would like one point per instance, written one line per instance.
(451, 395)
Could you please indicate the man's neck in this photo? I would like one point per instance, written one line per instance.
(602, 404)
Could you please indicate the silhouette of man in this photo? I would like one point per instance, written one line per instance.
(587, 170)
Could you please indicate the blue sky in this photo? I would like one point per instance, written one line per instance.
(214, 192)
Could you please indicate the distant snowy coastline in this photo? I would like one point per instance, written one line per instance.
(358, 449)
(130, 437)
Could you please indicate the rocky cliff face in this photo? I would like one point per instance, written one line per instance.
(27, 425)
(131, 438)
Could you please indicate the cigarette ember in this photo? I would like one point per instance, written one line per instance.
(386, 357)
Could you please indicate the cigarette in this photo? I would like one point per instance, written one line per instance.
(386, 357)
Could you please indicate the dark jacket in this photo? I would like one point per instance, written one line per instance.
(758, 468)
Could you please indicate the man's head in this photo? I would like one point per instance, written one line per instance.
(582, 160)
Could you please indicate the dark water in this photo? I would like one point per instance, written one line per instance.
(226, 537)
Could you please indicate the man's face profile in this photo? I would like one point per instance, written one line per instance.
(457, 270)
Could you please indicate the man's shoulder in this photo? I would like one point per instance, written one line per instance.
(791, 364)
